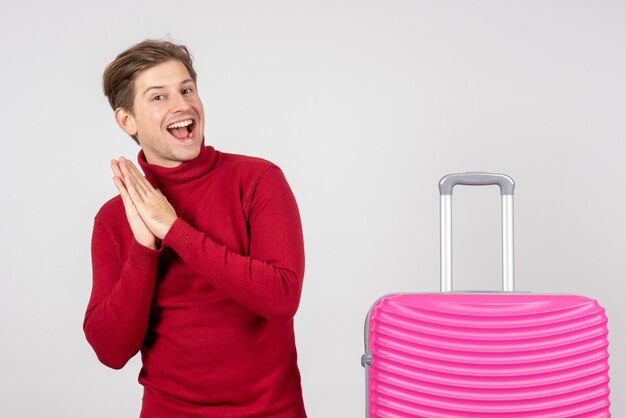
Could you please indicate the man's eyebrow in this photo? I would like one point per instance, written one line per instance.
(150, 88)
(160, 87)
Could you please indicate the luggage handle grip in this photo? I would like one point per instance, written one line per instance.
(507, 186)
(506, 183)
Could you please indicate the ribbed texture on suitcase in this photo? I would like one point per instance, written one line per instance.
(488, 355)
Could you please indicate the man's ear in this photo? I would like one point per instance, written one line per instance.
(125, 121)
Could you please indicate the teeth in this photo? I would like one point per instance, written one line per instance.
(180, 124)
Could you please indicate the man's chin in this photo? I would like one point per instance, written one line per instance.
(173, 158)
(188, 154)
(173, 151)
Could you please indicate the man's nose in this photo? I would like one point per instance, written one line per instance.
(179, 103)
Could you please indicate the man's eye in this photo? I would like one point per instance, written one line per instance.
(158, 97)
(187, 90)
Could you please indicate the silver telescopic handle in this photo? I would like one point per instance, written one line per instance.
(507, 186)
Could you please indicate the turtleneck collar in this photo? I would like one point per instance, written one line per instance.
(163, 177)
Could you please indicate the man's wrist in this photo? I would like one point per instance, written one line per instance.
(143, 257)
(167, 229)
(155, 245)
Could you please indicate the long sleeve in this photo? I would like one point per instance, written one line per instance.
(218, 295)
(268, 281)
(117, 314)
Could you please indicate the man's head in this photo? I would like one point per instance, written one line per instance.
(151, 86)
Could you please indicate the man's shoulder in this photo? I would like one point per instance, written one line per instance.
(245, 161)
(111, 210)
(245, 165)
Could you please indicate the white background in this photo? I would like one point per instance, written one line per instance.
(365, 105)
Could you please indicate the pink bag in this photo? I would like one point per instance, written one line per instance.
(478, 354)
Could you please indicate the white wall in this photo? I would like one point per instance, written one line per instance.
(365, 105)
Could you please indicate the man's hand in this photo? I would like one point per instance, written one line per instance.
(143, 203)
(141, 232)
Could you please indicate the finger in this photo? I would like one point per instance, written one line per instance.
(118, 180)
(135, 189)
(142, 183)
(132, 167)
(115, 166)
(135, 177)
(126, 200)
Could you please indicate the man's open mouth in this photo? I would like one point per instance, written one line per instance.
(183, 129)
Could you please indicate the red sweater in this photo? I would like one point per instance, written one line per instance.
(212, 309)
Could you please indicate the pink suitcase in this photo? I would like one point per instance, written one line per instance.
(485, 354)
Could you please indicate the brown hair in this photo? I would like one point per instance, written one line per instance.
(119, 76)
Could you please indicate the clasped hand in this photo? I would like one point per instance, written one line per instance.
(148, 211)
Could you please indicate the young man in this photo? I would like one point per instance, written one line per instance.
(199, 264)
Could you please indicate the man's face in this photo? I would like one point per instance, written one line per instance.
(168, 117)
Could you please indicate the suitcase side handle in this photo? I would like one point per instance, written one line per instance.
(446, 186)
